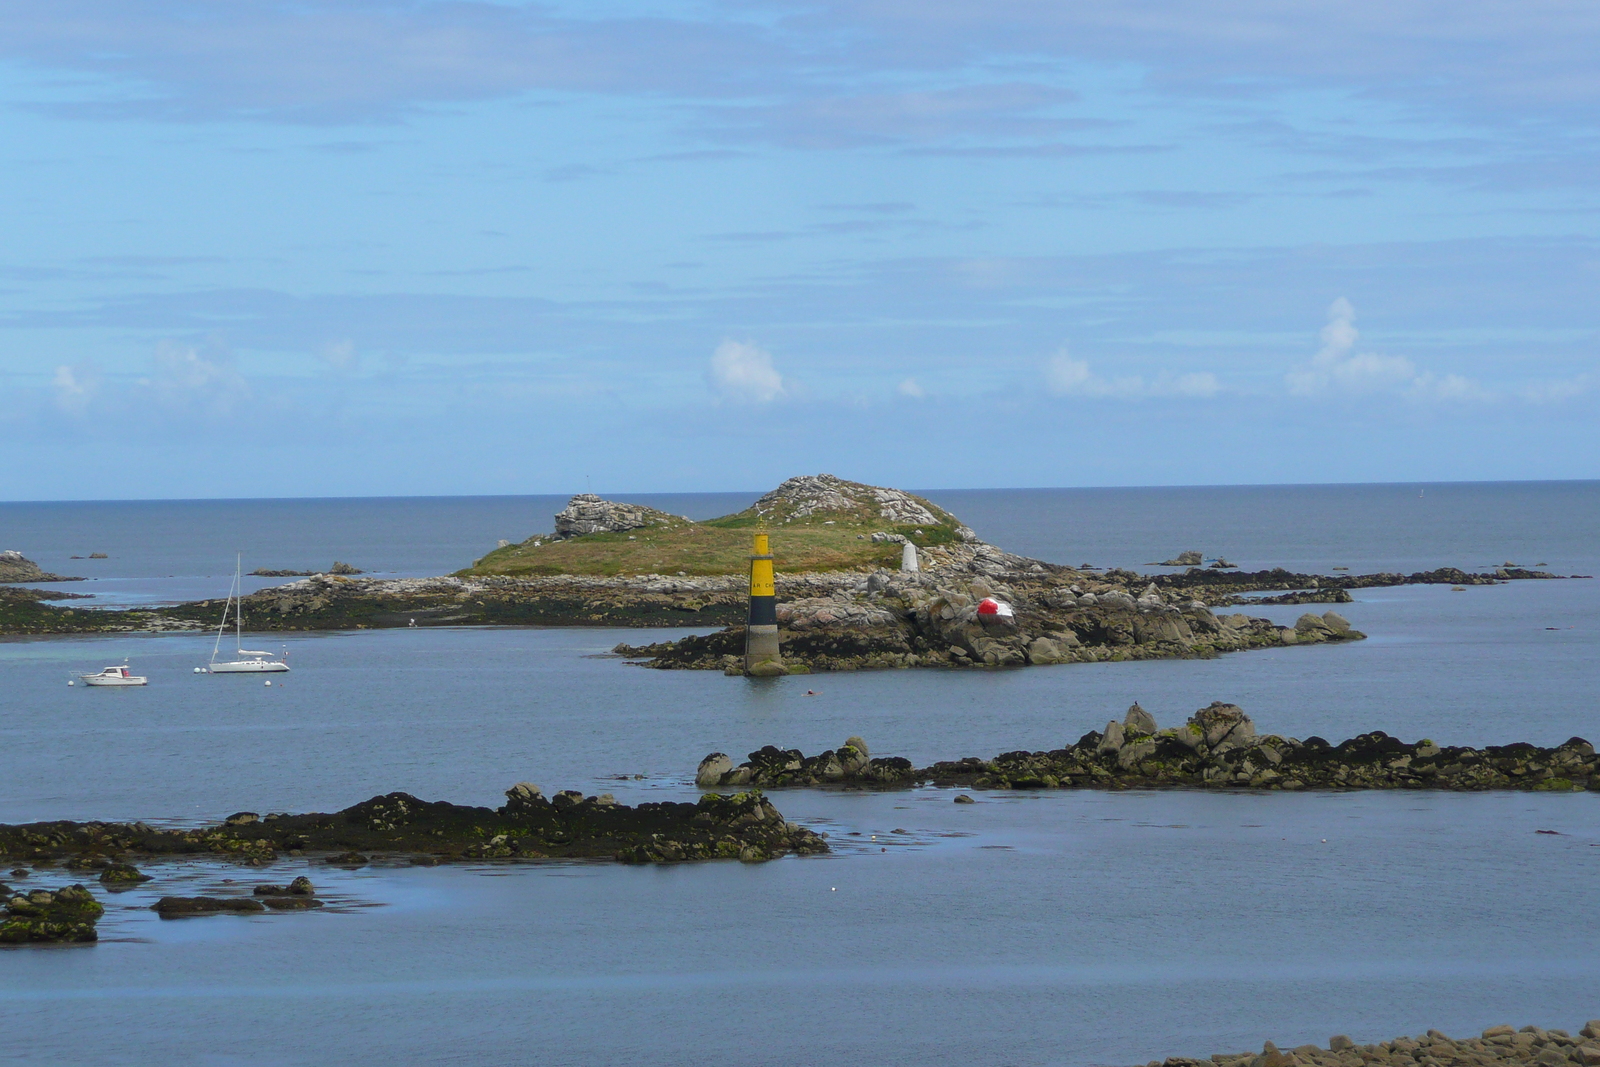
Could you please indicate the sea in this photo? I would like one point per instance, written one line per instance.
(1067, 928)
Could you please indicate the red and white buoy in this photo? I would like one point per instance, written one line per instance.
(992, 610)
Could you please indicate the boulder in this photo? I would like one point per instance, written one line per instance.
(522, 798)
(1044, 650)
(122, 874)
(1222, 724)
(179, 907)
(1111, 740)
(1336, 623)
(1138, 721)
(292, 903)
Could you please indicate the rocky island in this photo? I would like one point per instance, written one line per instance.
(1216, 748)
(867, 577)
(15, 567)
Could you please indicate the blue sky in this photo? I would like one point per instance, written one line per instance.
(351, 247)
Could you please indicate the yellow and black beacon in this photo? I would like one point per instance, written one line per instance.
(761, 655)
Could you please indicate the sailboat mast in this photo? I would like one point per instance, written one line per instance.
(223, 625)
(238, 612)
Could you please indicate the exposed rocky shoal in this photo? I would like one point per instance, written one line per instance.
(68, 914)
(933, 620)
(1217, 747)
(1498, 1046)
(529, 825)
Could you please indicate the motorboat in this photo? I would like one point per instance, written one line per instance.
(115, 676)
(246, 661)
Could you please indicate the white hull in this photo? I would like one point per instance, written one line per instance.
(97, 679)
(249, 666)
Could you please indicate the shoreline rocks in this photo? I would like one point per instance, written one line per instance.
(527, 826)
(1217, 748)
(1495, 1046)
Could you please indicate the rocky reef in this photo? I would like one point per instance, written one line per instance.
(529, 825)
(338, 567)
(68, 914)
(1218, 747)
(1496, 1046)
(933, 619)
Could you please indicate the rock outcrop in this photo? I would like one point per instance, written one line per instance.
(15, 567)
(811, 494)
(68, 914)
(1217, 747)
(1498, 1046)
(528, 826)
(587, 513)
(850, 762)
(931, 619)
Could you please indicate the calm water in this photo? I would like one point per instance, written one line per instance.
(1064, 929)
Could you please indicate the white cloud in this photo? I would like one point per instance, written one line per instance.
(75, 388)
(1066, 376)
(1338, 369)
(1557, 390)
(199, 378)
(340, 356)
(912, 388)
(744, 373)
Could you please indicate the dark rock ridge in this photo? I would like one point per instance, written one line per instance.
(1498, 1045)
(529, 825)
(1190, 558)
(1217, 747)
(932, 620)
(1216, 586)
(337, 568)
(15, 567)
(67, 914)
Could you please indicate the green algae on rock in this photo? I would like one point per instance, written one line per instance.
(1217, 747)
(65, 915)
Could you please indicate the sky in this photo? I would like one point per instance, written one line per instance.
(371, 247)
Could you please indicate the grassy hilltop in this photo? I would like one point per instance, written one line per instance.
(817, 523)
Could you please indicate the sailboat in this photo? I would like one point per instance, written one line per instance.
(248, 662)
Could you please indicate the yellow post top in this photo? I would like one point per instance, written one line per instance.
(762, 547)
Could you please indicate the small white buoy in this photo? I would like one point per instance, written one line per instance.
(71, 682)
(269, 681)
(833, 889)
(199, 670)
